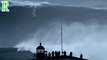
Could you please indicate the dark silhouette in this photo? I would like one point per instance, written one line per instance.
(49, 55)
(58, 53)
(71, 54)
(81, 56)
(41, 54)
(52, 53)
(64, 53)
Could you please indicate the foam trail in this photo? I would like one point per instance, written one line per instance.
(34, 12)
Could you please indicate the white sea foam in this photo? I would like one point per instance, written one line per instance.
(27, 3)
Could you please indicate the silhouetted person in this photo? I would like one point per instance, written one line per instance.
(53, 53)
(71, 54)
(64, 53)
(49, 54)
(81, 56)
(58, 53)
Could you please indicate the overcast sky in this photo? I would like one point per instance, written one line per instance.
(84, 28)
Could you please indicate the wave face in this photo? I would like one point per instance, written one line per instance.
(84, 29)
(13, 54)
(99, 4)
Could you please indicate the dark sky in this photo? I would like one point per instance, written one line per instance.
(84, 26)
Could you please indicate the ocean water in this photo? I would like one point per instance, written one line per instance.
(13, 54)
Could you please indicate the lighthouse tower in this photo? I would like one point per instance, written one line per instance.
(40, 52)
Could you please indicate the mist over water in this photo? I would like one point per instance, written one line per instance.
(78, 37)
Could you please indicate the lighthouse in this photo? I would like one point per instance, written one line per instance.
(40, 52)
